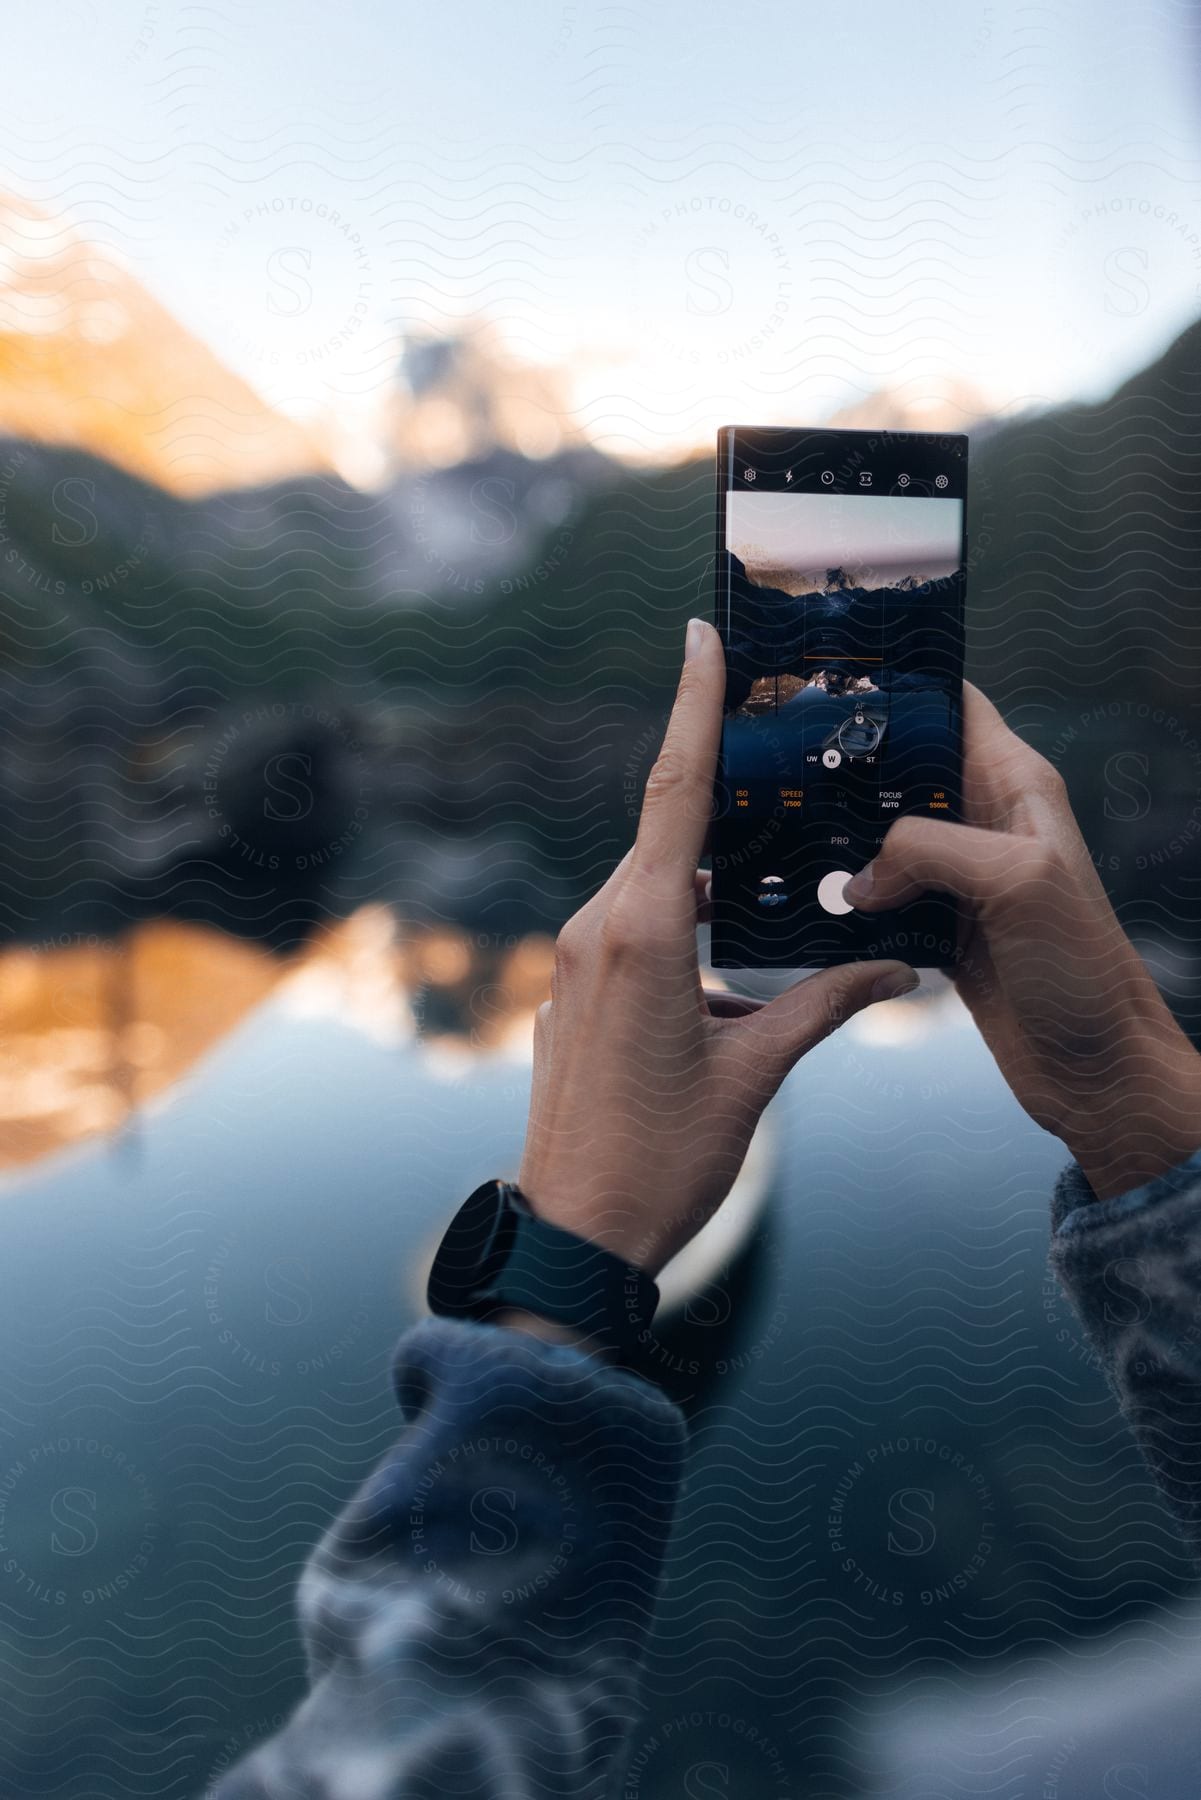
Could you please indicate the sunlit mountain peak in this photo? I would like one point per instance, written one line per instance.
(89, 358)
(461, 397)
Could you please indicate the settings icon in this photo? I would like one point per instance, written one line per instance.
(940, 481)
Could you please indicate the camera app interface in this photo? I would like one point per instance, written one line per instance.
(841, 605)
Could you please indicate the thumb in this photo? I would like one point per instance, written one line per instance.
(777, 1036)
(923, 855)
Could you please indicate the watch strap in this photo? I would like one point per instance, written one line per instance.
(538, 1267)
(578, 1284)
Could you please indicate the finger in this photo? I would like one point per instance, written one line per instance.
(542, 1034)
(702, 888)
(678, 803)
(779, 1034)
(583, 925)
(983, 726)
(987, 739)
(988, 752)
(1001, 770)
(723, 1005)
(919, 855)
(702, 883)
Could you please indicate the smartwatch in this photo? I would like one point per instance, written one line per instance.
(498, 1255)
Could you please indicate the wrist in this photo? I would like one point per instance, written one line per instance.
(608, 1221)
(1142, 1124)
(1139, 1157)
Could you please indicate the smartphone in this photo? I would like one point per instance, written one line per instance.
(841, 568)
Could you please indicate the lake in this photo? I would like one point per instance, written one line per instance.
(906, 1468)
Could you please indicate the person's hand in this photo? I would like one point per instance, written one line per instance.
(1065, 1003)
(646, 1090)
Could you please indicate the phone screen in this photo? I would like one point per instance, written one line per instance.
(840, 587)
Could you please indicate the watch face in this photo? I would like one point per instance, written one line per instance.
(474, 1251)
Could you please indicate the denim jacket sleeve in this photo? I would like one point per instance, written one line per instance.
(475, 1619)
(1132, 1269)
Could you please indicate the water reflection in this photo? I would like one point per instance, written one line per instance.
(92, 1028)
(198, 1336)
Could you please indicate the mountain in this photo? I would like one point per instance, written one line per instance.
(89, 358)
(955, 406)
(512, 627)
(1084, 551)
(462, 398)
(149, 638)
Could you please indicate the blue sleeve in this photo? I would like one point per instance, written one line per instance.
(475, 1619)
(1131, 1267)
(1076, 1207)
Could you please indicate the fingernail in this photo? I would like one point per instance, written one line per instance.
(694, 639)
(894, 984)
(859, 887)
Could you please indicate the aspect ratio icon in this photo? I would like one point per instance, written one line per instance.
(865, 478)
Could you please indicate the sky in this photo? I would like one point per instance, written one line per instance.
(691, 212)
